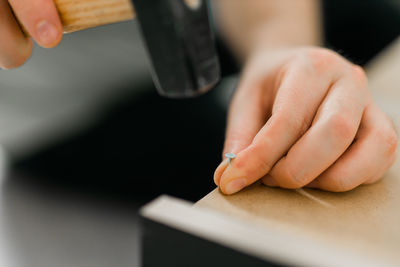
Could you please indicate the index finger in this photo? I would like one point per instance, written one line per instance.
(245, 119)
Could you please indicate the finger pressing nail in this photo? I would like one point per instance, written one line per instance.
(229, 181)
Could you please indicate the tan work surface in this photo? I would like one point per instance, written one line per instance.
(365, 221)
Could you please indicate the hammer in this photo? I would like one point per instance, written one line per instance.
(176, 33)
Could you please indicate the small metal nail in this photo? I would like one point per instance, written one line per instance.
(230, 157)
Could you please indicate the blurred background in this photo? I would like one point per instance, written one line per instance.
(87, 140)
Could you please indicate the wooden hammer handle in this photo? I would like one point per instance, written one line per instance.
(83, 14)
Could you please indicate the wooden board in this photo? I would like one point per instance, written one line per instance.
(364, 221)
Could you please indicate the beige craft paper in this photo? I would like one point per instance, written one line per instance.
(365, 220)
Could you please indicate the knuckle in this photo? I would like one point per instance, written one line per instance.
(301, 125)
(341, 126)
(321, 58)
(360, 75)
(295, 123)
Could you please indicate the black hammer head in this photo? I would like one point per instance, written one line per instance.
(180, 43)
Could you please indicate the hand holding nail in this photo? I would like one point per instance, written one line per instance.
(317, 127)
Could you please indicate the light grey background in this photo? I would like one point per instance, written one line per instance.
(59, 91)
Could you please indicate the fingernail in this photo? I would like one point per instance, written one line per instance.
(235, 186)
(269, 181)
(47, 33)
